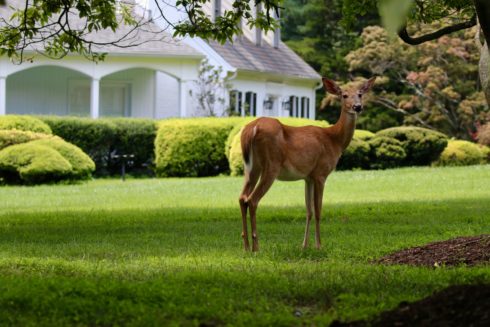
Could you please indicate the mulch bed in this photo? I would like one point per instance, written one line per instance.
(459, 305)
(469, 251)
(462, 305)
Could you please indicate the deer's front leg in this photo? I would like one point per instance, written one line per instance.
(309, 210)
(318, 195)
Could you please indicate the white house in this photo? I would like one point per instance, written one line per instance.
(153, 78)
(268, 78)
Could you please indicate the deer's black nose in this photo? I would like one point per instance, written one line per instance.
(357, 107)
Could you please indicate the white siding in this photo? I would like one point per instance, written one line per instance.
(166, 96)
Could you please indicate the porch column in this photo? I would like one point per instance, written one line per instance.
(3, 95)
(94, 98)
(183, 98)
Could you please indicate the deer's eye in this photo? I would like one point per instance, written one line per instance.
(360, 95)
(345, 96)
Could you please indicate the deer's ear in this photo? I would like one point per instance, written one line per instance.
(331, 87)
(367, 85)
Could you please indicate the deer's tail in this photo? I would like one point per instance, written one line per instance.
(248, 134)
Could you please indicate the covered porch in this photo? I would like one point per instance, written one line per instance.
(118, 87)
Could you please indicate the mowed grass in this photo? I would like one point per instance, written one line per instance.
(168, 251)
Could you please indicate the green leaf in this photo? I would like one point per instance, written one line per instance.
(394, 14)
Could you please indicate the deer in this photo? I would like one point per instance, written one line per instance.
(272, 150)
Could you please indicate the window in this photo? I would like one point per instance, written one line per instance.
(293, 107)
(305, 107)
(236, 102)
(78, 97)
(251, 104)
(114, 99)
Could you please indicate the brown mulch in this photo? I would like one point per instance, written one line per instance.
(462, 305)
(459, 305)
(470, 251)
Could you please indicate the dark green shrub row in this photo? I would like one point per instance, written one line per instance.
(100, 138)
(193, 147)
(44, 161)
(394, 147)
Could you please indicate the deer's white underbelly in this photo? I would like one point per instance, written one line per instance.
(290, 174)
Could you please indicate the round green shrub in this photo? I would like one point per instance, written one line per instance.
(82, 165)
(356, 156)
(363, 134)
(192, 147)
(32, 164)
(15, 136)
(462, 153)
(386, 152)
(422, 146)
(234, 149)
(24, 123)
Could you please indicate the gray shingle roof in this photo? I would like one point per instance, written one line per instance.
(149, 40)
(245, 55)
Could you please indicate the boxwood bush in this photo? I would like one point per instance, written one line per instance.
(192, 147)
(24, 123)
(44, 161)
(15, 136)
(422, 146)
(462, 153)
(356, 156)
(386, 152)
(81, 164)
(234, 149)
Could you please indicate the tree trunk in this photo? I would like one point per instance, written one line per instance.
(484, 69)
(483, 11)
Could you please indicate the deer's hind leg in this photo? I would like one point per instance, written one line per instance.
(309, 201)
(251, 178)
(267, 177)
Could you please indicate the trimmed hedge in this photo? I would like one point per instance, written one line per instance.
(14, 136)
(101, 137)
(44, 161)
(192, 147)
(24, 123)
(134, 136)
(422, 146)
(386, 152)
(356, 156)
(234, 149)
(462, 153)
(93, 136)
(82, 165)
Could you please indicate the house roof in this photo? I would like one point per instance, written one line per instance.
(245, 55)
(148, 40)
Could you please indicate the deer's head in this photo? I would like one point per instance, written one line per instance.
(350, 98)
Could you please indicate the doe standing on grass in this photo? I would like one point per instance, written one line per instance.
(272, 151)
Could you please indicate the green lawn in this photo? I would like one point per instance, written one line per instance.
(169, 252)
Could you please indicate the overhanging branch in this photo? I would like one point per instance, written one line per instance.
(403, 33)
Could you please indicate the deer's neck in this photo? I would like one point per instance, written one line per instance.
(343, 130)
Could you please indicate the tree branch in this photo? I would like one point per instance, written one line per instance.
(403, 33)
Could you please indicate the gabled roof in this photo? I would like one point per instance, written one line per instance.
(149, 40)
(244, 55)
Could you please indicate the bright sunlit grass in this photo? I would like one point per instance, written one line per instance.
(169, 251)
